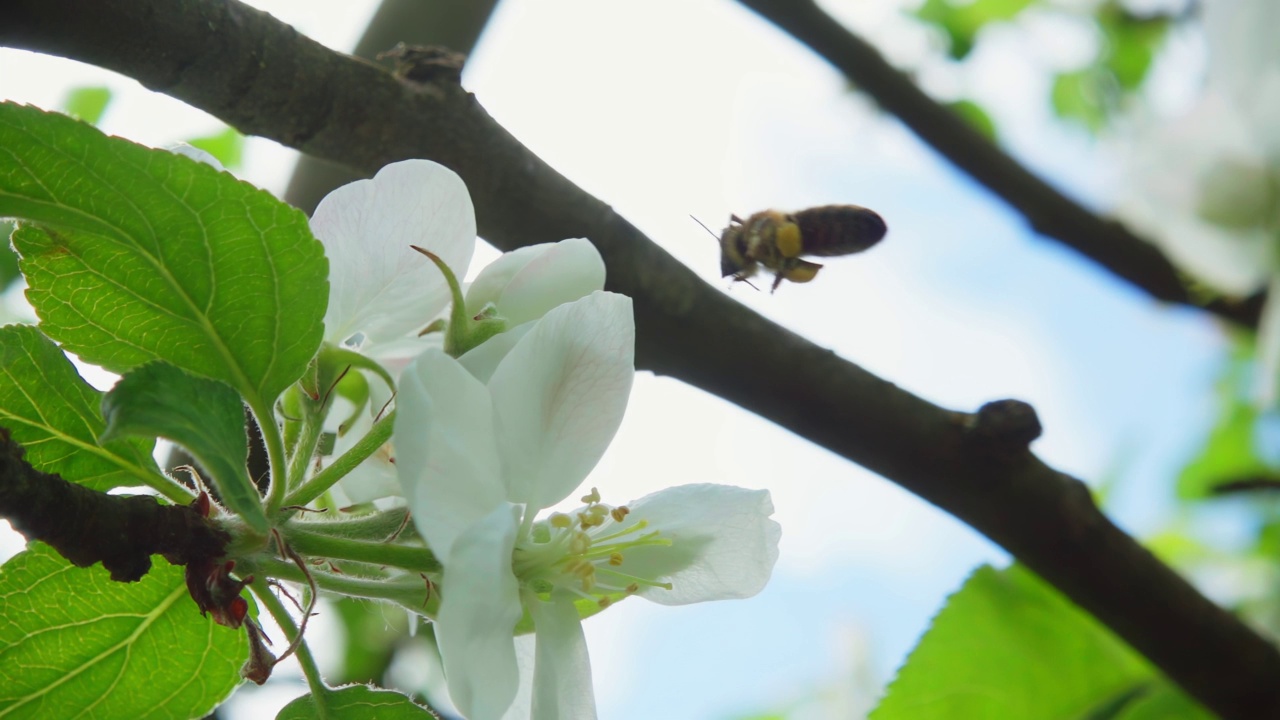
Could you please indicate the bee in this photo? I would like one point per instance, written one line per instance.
(776, 240)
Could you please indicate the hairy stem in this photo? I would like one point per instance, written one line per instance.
(377, 436)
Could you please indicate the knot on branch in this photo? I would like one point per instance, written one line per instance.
(426, 64)
(1003, 428)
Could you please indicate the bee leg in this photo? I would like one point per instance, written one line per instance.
(801, 271)
(788, 240)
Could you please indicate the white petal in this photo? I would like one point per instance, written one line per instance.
(478, 614)
(445, 452)
(562, 670)
(533, 283)
(484, 360)
(560, 394)
(378, 285)
(1269, 347)
(195, 153)
(522, 706)
(724, 544)
(493, 279)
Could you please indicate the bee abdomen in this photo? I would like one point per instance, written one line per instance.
(833, 230)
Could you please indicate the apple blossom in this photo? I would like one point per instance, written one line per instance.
(1206, 186)
(483, 446)
(383, 293)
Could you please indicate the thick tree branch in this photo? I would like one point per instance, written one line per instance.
(265, 79)
(455, 24)
(1049, 212)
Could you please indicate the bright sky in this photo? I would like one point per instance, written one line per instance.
(667, 109)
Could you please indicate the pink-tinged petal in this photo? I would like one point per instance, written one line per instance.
(562, 669)
(488, 285)
(560, 394)
(724, 544)
(445, 453)
(528, 285)
(380, 287)
(478, 614)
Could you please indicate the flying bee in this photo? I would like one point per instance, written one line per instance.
(776, 240)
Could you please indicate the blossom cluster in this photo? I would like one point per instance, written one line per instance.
(1206, 185)
(502, 412)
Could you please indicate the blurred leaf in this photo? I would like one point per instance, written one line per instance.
(962, 20)
(207, 272)
(373, 631)
(357, 702)
(1079, 96)
(1007, 645)
(976, 116)
(87, 103)
(1230, 452)
(227, 146)
(76, 644)
(1131, 43)
(206, 417)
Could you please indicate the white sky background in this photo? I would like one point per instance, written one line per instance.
(665, 109)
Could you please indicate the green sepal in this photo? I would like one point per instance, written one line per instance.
(463, 331)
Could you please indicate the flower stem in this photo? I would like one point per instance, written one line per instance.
(415, 559)
(305, 659)
(275, 451)
(411, 592)
(377, 436)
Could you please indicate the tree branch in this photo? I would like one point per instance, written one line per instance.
(455, 24)
(1049, 212)
(263, 78)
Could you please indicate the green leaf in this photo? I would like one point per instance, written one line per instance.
(146, 255)
(357, 702)
(227, 146)
(1007, 645)
(87, 103)
(1231, 451)
(962, 20)
(1131, 43)
(976, 117)
(204, 416)
(1080, 96)
(8, 258)
(75, 644)
(54, 414)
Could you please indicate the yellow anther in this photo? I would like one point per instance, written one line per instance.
(633, 588)
(560, 520)
(620, 512)
(604, 602)
(615, 559)
(594, 497)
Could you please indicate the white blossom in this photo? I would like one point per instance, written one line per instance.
(481, 453)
